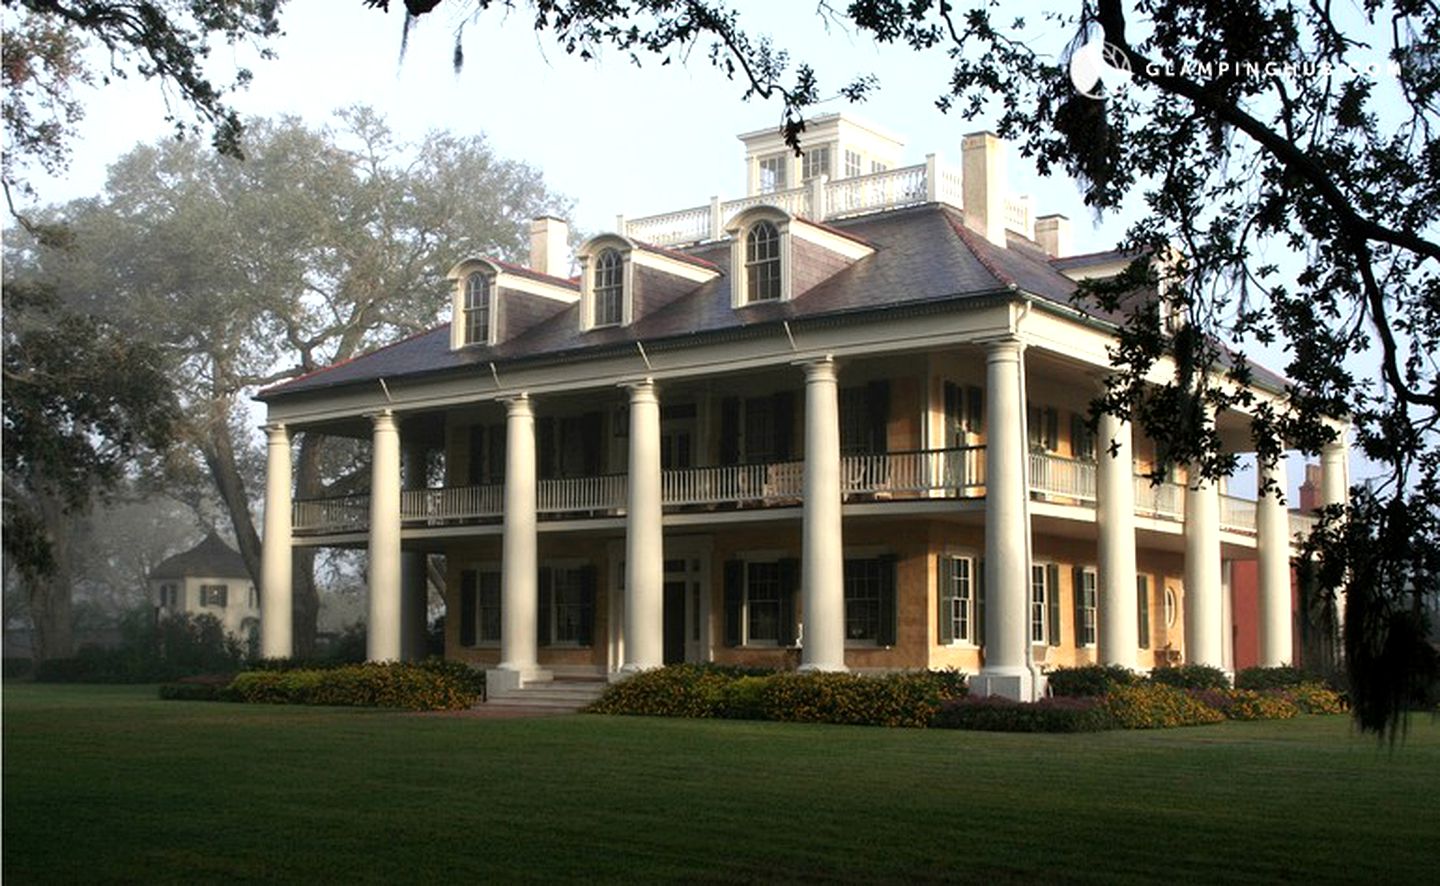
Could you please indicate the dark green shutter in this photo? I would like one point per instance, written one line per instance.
(979, 580)
(734, 597)
(1052, 600)
(1142, 601)
(1078, 433)
(497, 454)
(545, 442)
(945, 576)
(477, 455)
(468, 605)
(789, 593)
(889, 565)
(953, 412)
(589, 587)
(543, 617)
(783, 416)
(730, 431)
(877, 408)
(975, 409)
(1052, 428)
(591, 440)
(1077, 588)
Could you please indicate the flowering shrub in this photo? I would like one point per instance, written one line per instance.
(1191, 676)
(1157, 706)
(1090, 680)
(998, 714)
(1247, 704)
(428, 686)
(1316, 698)
(676, 691)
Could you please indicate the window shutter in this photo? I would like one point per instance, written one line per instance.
(730, 431)
(1077, 436)
(734, 597)
(789, 592)
(546, 607)
(592, 436)
(975, 406)
(1052, 600)
(589, 587)
(477, 455)
(545, 442)
(497, 454)
(877, 405)
(1052, 428)
(468, 582)
(945, 576)
(889, 564)
(784, 418)
(952, 414)
(1077, 585)
(979, 579)
(1142, 601)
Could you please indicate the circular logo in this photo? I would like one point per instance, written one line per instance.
(1099, 70)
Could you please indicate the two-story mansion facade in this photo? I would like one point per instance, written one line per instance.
(836, 423)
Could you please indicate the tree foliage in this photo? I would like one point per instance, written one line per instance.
(1286, 159)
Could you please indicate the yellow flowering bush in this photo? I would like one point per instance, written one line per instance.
(1317, 698)
(1157, 706)
(427, 686)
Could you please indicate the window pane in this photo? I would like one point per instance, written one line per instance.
(762, 593)
(762, 262)
(817, 162)
(852, 164)
(569, 605)
(961, 602)
(477, 308)
(609, 287)
(1037, 604)
(862, 599)
(488, 607)
(772, 173)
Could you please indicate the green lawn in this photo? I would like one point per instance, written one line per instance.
(111, 785)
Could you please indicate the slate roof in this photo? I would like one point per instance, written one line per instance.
(923, 255)
(210, 558)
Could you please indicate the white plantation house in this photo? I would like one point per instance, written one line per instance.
(836, 422)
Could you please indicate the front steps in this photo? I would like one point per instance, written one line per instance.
(559, 696)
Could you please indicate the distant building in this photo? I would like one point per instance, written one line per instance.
(208, 579)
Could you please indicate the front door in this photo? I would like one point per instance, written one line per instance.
(675, 605)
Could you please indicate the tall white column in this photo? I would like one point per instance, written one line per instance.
(1007, 557)
(1272, 530)
(822, 558)
(1119, 630)
(519, 559)
(644, 537)
(1335, 490)
(276, 638)
(1204, 630)
(383, 627)
(414, 581)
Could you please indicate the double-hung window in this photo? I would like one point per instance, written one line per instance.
(477, 309)
(1044, 604)
(1086, 595)
(214, 595)
(609, 288)
(817, 162)
(760, 602)
(762, 262)
(957, 598)
(479, 607)
(772, 173)
(852, 163)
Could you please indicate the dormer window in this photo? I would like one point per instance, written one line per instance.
(477, 309)
(762, 262)
(609, 288)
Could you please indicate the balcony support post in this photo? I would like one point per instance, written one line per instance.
(1119, 634)
(383, 626)
(1204, 613)
(276, 637)
(822, 564)
(519, 558)
(1272, 531)
(1007, 526)
(644, 640)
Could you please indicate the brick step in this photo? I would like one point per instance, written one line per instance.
(557, 695)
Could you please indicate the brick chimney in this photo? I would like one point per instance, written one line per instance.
(983, 180)
(1052, 232)
(550, 246)
(1310, 489)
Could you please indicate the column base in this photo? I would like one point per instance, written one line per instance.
(1014, 685)
(631, 668)
(509, 679)
(820, 667)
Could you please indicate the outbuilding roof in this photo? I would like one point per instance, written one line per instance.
(210, 558)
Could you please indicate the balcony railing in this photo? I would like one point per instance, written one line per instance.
(957, 472)
(451, 503)
(345, 513)
(738, 484)
(1165, 501)
(1237, 514)
(1053, 476)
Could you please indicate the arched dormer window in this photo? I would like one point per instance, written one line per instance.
(609, 288)
(762, 262)
(477, 308)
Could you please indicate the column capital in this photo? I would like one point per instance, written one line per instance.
(383, 419)
(276, 433)
(818, 368)
(640, 388)
(1003, 347)
(517, 404)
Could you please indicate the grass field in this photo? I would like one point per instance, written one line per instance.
(108, 784)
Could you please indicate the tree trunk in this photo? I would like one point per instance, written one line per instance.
(306, 594)
(49, 596)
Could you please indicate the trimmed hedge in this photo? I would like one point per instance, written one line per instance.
(427, 686)
(1260, 678)
(1090, 681)
(1247, 704)
(1191, 676)
(994, 713)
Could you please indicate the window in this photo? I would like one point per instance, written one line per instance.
(477, 309)
(1172, 606)
(958, 611)
(486, 455)
(864, 417)
(254, 598)
(1082, 439)
(214, 595)
(1044, 428)
(817, 162)
(772, 173)
(169, 596)
(762, 262)
(479, 607)
(852, 164)
(1044, 604)
(870, 600)
(567, 606)
(1142, 607)
(1086, 593)
(964, 413)
(609, 287)
(760, 602)
(877, 166)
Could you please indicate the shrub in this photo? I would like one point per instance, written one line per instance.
(1090, 681)
(1247, 704)
(1316, 698)
(743, 698)
(910, 698)
(998, 714)
(677, 691)
(428, 686)
(205, 687)
(1157, 706)
(15, 668)
(1258, 678)
(1191, 676)
(151, 650)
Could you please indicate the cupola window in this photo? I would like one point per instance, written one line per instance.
(609, 287)
(762, 262)
(477, 309)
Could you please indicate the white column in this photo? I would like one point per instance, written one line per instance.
(1007, 558)
(276, 640)
(644, 537)
(1119, 631)
(519, 559)
(1272, 530)
(1335, 490)
(822, 558)
(414, 580)
(1204, 631)
(383, 627)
